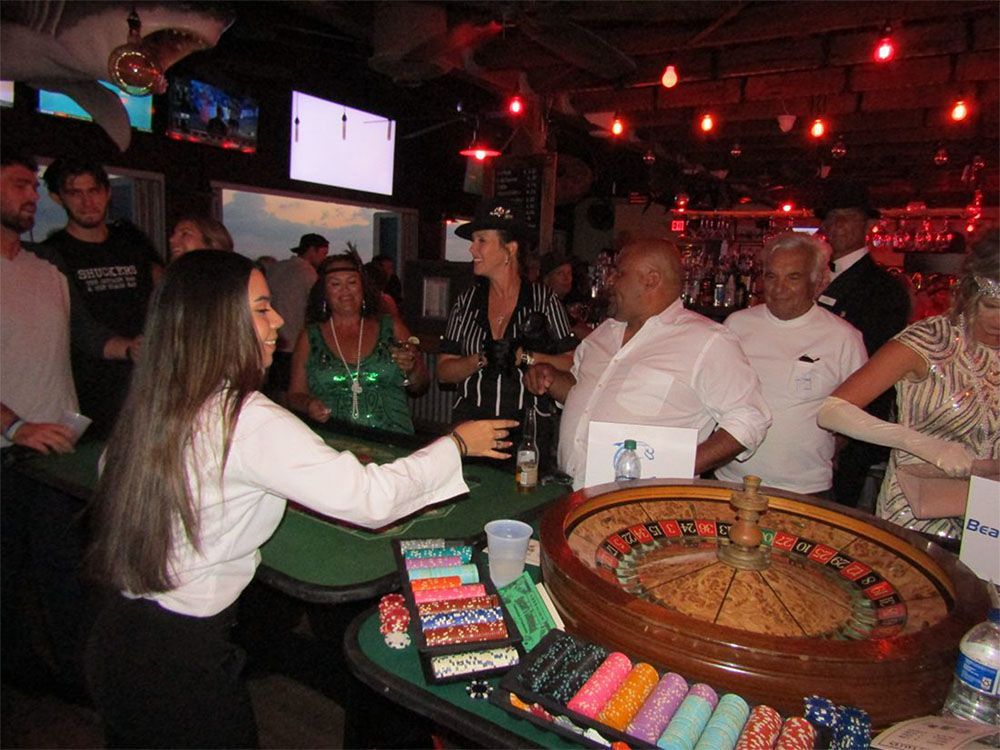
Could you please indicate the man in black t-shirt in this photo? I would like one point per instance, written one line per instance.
(113, 266)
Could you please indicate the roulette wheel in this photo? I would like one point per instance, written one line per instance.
(805, 596)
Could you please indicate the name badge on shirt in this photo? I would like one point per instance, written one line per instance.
(825, 300)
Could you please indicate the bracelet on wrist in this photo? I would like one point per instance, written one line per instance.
(463, 449)
(12, 428)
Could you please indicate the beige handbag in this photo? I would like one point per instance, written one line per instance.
(930, 492)
(933, 494)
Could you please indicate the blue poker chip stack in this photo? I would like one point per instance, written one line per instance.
(853, 730)
(822, 714)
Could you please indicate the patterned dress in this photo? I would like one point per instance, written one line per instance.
(383, 402)
(959, 400)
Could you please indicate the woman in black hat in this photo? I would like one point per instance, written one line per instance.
(500, 323)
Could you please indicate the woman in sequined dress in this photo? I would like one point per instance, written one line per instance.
(351, 362)
(946, 370)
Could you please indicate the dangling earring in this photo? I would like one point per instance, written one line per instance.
(324, 309)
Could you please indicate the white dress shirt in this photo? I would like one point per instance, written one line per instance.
(841, 264)
(275, 456)
(800, 362)
(679, 370)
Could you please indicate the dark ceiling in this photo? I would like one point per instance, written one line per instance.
(578, 63)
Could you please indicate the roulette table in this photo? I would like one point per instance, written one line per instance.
(835, 602)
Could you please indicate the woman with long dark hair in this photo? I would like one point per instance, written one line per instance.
(195, 479)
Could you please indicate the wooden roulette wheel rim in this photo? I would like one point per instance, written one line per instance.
(893, 677)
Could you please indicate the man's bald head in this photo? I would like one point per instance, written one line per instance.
(648, 279)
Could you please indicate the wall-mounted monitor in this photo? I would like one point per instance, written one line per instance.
(6, 93)
(202, 113)
(337, 145)
(139, 108)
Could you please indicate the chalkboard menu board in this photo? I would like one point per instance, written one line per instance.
(527, 183)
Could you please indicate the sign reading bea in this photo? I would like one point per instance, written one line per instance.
(981, 535)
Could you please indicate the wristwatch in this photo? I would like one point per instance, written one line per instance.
(527, 358)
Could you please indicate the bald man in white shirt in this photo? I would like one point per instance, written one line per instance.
(653, 362)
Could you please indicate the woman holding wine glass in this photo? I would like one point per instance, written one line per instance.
(353, 361)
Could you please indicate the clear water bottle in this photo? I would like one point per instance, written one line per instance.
(974, 691)
(627, 464)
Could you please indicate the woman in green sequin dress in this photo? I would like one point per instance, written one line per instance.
(347, 364)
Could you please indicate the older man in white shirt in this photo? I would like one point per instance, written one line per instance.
(653, 362)
(801, 353)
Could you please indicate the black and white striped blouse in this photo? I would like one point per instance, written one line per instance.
(492, 394)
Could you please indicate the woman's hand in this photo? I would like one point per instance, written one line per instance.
(317, 410)
(405, 357)
(486, 437)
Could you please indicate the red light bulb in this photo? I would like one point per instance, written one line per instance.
(707, 122)
(959, 111)
(515, 105)
(787, 207)
(818, 128)
(617, 126)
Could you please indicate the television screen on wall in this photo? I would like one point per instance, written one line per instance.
(139, 108)
(333, 144)
(6, 93)
(202, 113)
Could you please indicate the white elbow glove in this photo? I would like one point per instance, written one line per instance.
(954, 459)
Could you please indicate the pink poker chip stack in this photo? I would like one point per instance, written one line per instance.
(394, 619)
(601, 685)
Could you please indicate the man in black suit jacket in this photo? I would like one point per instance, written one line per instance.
(870, 299)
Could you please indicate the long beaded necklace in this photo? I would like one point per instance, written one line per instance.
(355, 378)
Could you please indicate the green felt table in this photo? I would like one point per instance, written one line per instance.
(320, 560)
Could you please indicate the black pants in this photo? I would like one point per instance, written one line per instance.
(45, 609)
(161, 679)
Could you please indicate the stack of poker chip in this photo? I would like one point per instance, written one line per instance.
(761, 730)
(690, 720)
(659, 708)
(394, 619)
(725, 725)
(629, 697)
(454, 612)
(796, 734)
(601, 685)
(853, 730)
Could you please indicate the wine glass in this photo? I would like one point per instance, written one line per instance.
(396, 346)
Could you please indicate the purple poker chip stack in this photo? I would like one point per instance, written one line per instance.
(654, 715)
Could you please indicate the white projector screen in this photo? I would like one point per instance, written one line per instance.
(355, 153)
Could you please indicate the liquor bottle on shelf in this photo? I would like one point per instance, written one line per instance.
(627, 464)
(527, 454)
(974, 690)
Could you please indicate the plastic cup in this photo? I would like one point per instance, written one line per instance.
(507, 541)
(76, 422)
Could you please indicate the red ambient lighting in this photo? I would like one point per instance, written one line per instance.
(707, 122)
(479, 152)
(515, 105)
(959, 111)
(818, 128)
(617, 126)
(885, 50)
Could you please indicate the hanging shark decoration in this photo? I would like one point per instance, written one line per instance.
(65, 46)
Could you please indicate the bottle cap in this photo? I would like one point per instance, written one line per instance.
(630, 445)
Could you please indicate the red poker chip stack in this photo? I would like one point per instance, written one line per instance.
(761, 730)
(394, 619)
(797, 734)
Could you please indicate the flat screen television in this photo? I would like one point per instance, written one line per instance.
(6, 93)
(139, 108)
(333, 144)
(202, 113)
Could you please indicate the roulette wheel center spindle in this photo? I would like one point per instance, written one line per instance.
(744, 550)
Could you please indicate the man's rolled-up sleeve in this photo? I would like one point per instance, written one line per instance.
(730, 390)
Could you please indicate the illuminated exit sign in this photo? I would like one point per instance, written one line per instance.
(677, 225)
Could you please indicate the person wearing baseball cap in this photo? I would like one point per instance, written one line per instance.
(500, 323)
(869, 298)
(290, 281)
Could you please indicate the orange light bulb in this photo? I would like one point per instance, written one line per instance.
(707, 122)
(617, 127)
(960, 111)
(818, 128)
